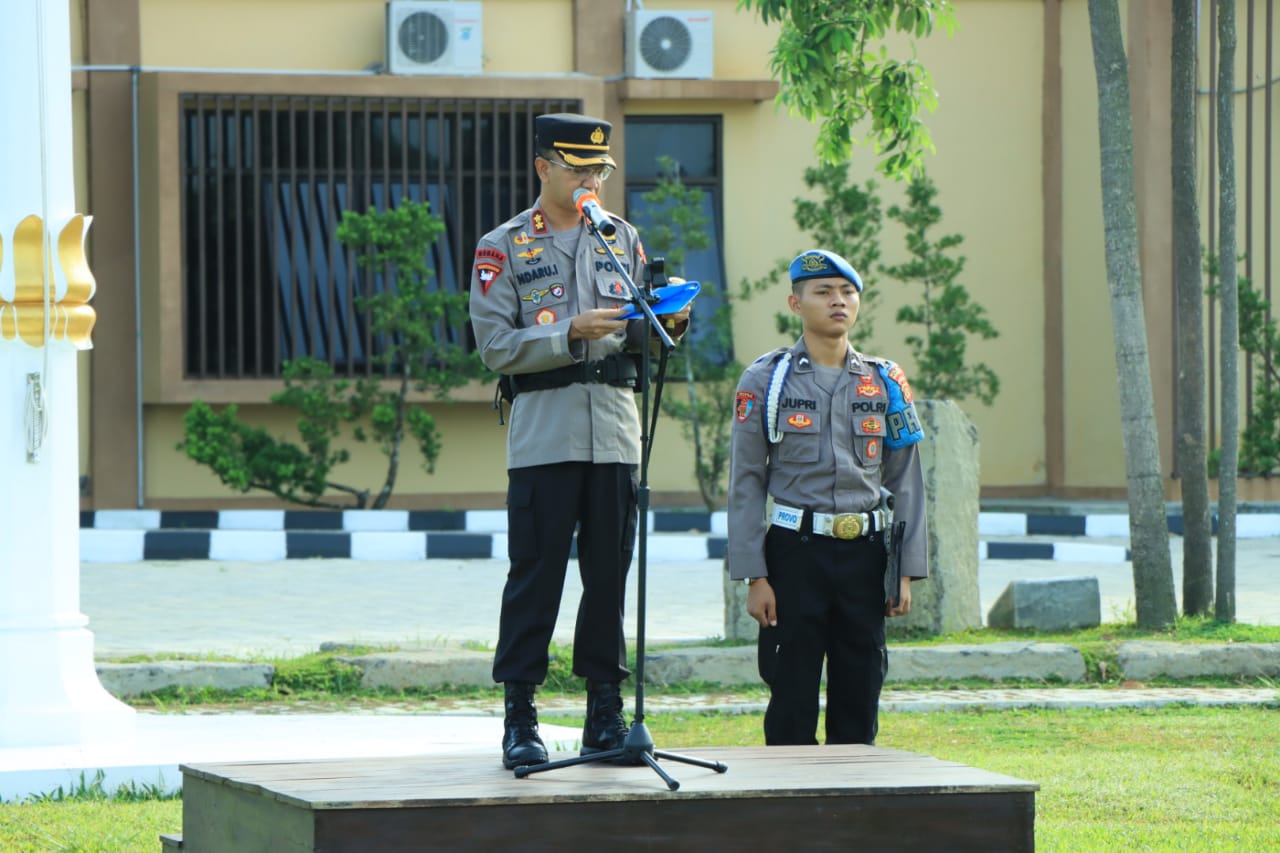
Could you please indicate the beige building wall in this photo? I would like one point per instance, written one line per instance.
(1093, 452)
(520, 36)
(990, 170)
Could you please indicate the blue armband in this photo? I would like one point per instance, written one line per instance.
(903, 423)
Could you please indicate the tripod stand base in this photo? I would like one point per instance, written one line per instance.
(636, 750)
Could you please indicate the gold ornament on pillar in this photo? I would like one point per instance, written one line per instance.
(69, 318)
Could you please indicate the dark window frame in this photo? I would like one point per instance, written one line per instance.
(639, 181)
(239, 152)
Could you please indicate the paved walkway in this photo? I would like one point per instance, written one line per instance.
(287, 608)
(252, 610)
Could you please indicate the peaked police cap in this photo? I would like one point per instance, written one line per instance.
(579, 140)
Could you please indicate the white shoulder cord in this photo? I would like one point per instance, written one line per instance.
(772, 399)
(36, 421)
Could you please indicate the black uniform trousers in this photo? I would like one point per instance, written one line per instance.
(544, 505)
(830, 598)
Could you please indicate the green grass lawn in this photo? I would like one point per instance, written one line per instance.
(1178, 778)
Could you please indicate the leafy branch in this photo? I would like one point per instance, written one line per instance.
(946, 312)
(418, 349)
(832, 65)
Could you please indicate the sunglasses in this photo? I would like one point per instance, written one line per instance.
(600, 170)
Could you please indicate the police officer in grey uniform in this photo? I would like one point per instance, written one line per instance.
(545, 306)
(819, 429)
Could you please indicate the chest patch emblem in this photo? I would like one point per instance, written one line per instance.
(800, 420)
(871, 425)
(867, 387)
(556, 291)
(545, 317)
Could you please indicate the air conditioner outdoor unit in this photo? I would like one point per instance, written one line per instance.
(433, 37)
(669, 43)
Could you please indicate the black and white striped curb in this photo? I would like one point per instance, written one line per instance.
(122, 536)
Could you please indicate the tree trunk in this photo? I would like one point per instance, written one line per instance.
(397, 439)
(1229, 465)
(1148, 527)
(1190, 449)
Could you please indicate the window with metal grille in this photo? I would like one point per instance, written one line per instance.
(266, 179)
(693, 142)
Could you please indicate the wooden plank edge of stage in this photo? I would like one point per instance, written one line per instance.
(869, 797)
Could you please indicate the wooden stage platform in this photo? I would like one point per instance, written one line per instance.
(771, 798)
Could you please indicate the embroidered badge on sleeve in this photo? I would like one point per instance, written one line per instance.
(488, 266)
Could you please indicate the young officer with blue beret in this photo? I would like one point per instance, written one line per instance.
(545, 302)
(819, 429)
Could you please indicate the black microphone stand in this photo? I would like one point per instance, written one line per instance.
(638, 748)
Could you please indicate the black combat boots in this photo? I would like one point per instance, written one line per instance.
(604, 728)
(520, 742)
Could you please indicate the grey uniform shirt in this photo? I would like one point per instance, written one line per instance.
(832, 458)
(529, 281)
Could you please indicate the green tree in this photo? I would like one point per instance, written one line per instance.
(1260, 341)
(1148, 525)
(1229, 318)
(1191, 447)
(677, 225)
(832, 65)
(1260, 338)
(947, 314)
(845, 219)
(420, 350)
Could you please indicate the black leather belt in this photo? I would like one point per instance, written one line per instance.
(617, 369)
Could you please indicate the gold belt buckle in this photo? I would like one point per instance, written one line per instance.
(847, 526)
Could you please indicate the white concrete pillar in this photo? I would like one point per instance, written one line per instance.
(49, 690)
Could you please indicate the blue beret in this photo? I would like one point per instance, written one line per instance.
(819, 263)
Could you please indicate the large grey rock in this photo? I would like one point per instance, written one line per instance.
(731, 665)
(428, 667)
(948, 601)
(1048, 604)
(993, 662)
(1143, 659)
(137, 679)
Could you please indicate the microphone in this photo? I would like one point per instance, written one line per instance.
(588, 204)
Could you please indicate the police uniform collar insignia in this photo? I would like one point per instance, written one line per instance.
(539, 221)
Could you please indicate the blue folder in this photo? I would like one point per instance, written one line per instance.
(671, 300)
